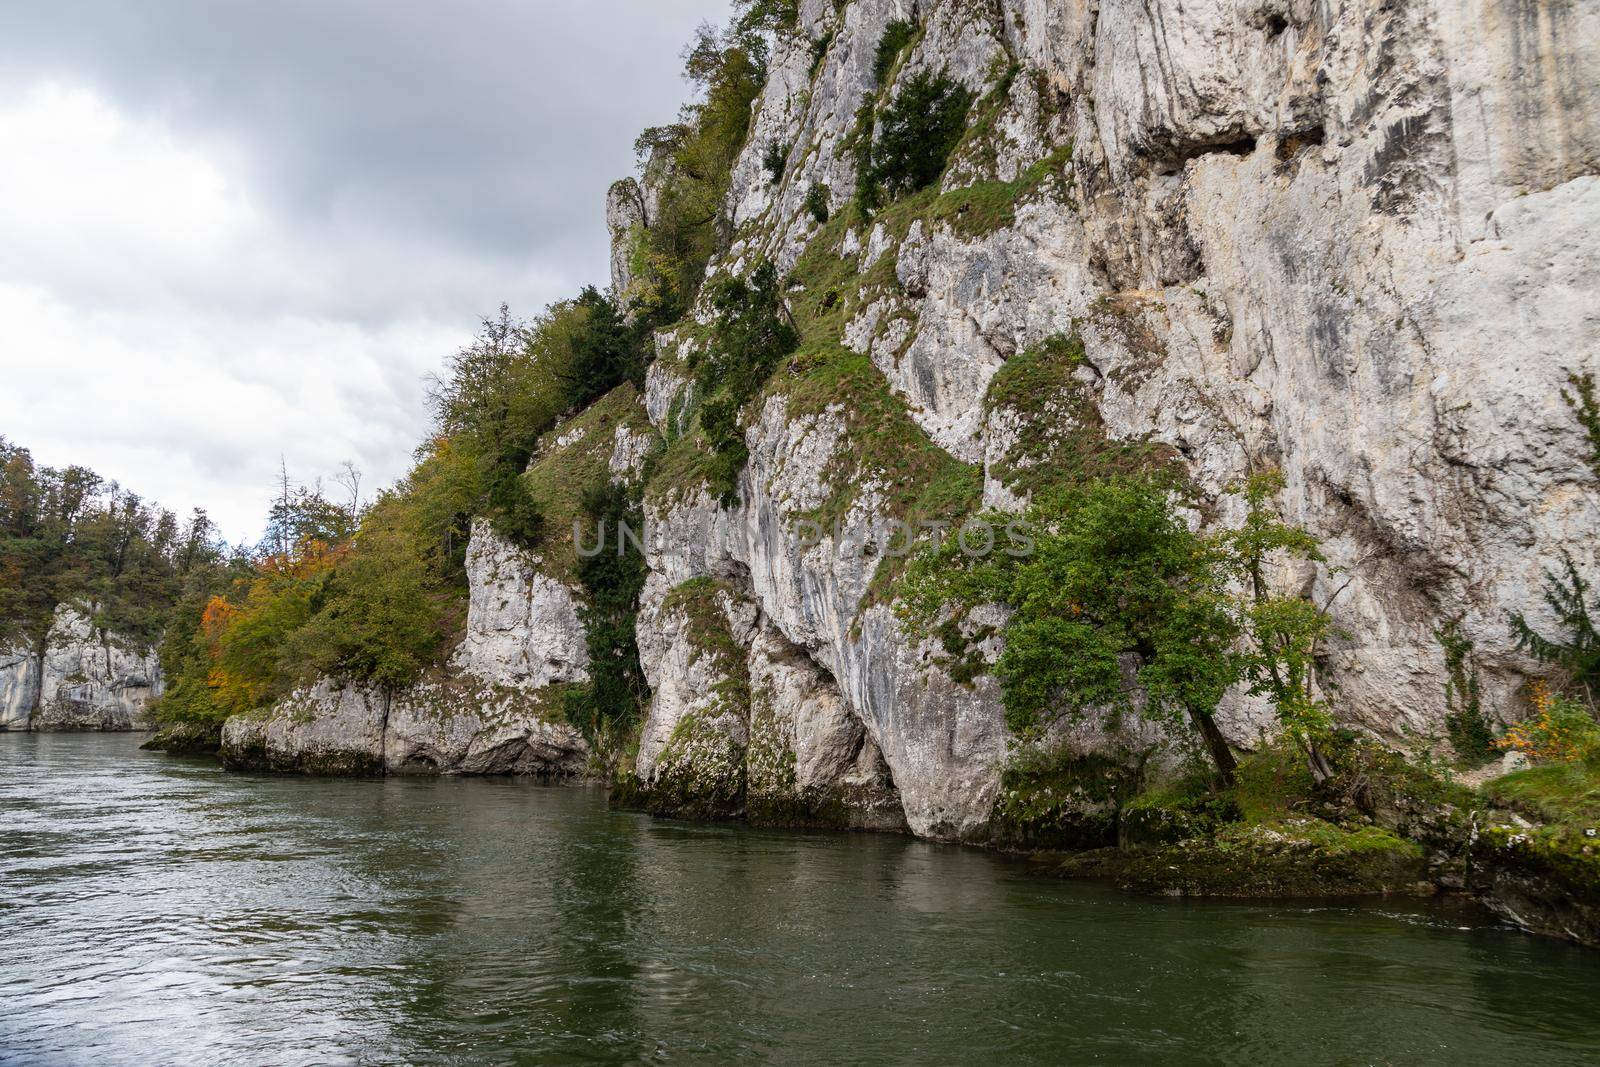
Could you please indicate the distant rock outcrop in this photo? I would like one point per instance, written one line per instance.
(83, 679)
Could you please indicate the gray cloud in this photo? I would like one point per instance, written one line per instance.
(367, 176)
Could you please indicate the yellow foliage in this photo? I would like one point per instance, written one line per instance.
(1559, 731)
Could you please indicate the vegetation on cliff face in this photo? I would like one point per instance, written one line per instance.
(608, 708)
(920, 128)
(690, 163)
(1576, 654)
(1060, 435)
(749, 337)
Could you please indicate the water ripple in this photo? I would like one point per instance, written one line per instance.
(159, 911)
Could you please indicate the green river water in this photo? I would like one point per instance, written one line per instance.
(160, 911)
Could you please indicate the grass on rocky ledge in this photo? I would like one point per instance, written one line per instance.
(556, 479)
(1565, 849)
(1557, 793)
(1061, 435)
(886, 448)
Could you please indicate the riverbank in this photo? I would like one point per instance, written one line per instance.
(1525, 846)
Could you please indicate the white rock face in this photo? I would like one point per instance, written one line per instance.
(86, 680)
(522, 625)
(466, 727)
(1351, 241)
(625, 212)
(323, 729)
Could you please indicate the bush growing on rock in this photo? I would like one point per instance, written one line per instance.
(774, 160)
(897, 37)
(749, 338)
(607, 709)
(773, 16)
(817, 203)
(1561, 730)
(1115, 574)
(1577, 653)
(920, 128)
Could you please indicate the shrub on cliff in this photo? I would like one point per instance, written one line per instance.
(1576, 653)
(749, 337)
(920, 128)
(774, 16)
(608, 707)
(1115, 576)
(515, 381)
(388, 609)
(817, 203)
(897, 36)
(774, 160)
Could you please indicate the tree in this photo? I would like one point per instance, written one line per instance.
(691, 163)
(348, 478)
(69, 538)
(607, 709)
(920, 129)
(1578, 653)
(1282, 632)
(605, 353)
(1120, 607)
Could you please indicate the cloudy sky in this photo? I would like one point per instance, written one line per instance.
(230, 230)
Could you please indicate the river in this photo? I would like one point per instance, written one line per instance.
(155, 910)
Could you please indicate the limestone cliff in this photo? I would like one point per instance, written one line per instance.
(1350, 240)
(84, 679)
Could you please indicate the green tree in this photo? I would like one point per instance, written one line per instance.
(920, 128)
(1119, 607)
(691, 163)
(383, 615)
(1281, 632)
(606, 352)
(1577, 654)
(608, 708)
(70, 539)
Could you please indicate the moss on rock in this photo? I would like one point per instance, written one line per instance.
(187, 739)
(1060, 799)
(1293, 858)
(1060, 436)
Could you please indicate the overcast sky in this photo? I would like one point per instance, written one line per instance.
(234, 230)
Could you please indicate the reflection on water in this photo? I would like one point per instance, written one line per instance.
(154, 910)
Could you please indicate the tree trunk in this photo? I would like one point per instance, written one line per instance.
(41, 648)
(1216, 744)
(1321, 769)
